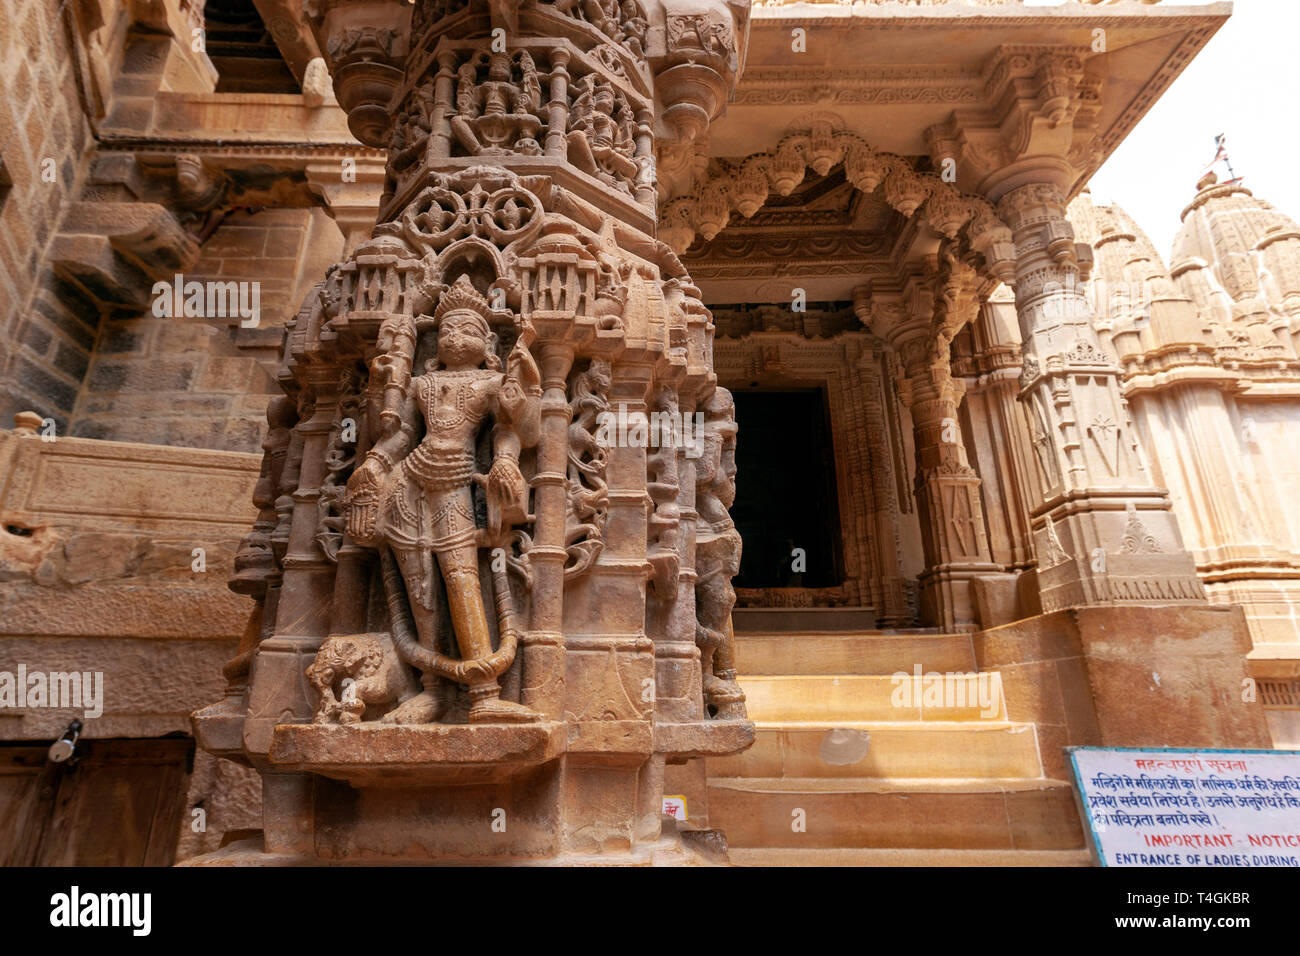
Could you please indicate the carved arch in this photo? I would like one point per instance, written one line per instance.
(744, 187)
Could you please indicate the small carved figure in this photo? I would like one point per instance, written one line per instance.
(500, 114)
(601, 133)
(357, 672)
(255, 561)
(717, 558)
(411, 129)
(340, 455)
(634, 27)
(602, 14)
(469, 100)
(588, 500)
(663, 486)
(530, 99)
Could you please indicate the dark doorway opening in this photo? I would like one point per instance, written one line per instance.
(246, 56)
(785, 490)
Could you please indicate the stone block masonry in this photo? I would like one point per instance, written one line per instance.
(43, 140)
(203, 382)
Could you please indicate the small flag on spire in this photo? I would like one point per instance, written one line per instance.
(1221, 156)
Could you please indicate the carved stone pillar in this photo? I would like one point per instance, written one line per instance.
(947, 488)
(542, 646)
(998, 438)
(947, 493)
(888, 585)
(492, 631)
(1103, 532)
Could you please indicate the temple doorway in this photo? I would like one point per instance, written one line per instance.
(786, 497)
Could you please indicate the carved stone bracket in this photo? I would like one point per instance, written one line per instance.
(744, 187)
(365, 43)
(198, 186)
(1047, 102)
(697, 66)
(351, 196)
(116, 252)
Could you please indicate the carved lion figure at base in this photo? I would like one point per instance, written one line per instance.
(358, 672)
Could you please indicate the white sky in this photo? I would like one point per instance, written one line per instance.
(1246, 84)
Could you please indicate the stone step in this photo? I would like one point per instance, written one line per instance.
(840, 856)
(802, 619)
(850, 697)
(881, 749)
(857, 652)
(959, 814)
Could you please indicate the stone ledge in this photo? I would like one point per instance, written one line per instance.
(90, 483)
(396, 756)
(798, 619)
(219, 729)
(625, 742)
(704, 738)
(671, 849)
(1274, 661)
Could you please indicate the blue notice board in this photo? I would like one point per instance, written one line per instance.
(1166, 807)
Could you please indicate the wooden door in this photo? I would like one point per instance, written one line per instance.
(119, 804)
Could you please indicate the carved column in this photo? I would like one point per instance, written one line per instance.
(491, 625)
(304, 606)
(1104, 532)
(947, 488)
(882, 526)
(998, 438)
(542, 686)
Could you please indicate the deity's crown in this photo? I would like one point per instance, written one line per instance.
(462, 296)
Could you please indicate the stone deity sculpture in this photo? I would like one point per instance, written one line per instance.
(601, 134)
(414, 500)
(503, 113)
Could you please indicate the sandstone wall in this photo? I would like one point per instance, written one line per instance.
(98, 573)
(205, 383)
(44, 346)
(79, 254)
(97, 539)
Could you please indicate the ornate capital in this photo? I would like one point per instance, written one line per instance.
(1037, 201)
(1043, 234)
(1040, 115)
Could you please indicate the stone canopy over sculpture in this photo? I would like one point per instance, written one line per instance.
(465, 591)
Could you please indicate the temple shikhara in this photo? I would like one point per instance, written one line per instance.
(647, 432)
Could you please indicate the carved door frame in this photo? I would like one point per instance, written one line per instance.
(847, 367)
